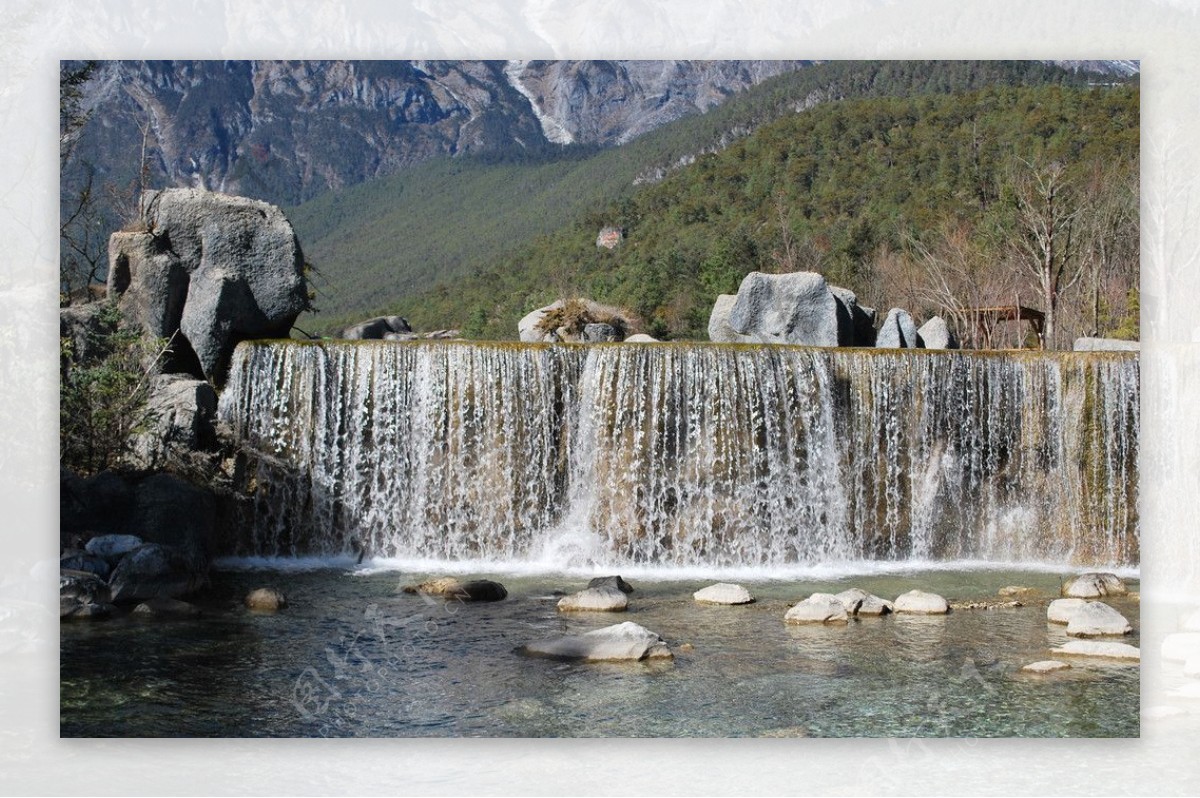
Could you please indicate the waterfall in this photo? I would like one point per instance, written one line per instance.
(687, 454)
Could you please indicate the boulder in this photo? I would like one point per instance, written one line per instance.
(451, 588)
(90, 563)
(623, 641)
(921, 603)
(166, 608)
(183, 413)
(1061, 610)
(935, 334)
(265, 599)
(155, 571)
(113, 547)
(1096, 619)
(856, 323)
(528, 329)
(1046, 666)
(719, 330)
(723, 593)
(818, 608)
(860, 602)
(1096, 648)
(378, 328)
(1181, 646)
(1094, 585)
(71, 609)
(211, 269)
(642, 338)
(81, 587)
(796, 308)
(1105, 345)
(570, 320)
(99, 504)
(611, 581)
(898, 331)
(86, 328)
(594, 599)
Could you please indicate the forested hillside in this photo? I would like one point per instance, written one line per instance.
(936, 203)
(383, 245)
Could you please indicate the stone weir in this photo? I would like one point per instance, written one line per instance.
(687, 454)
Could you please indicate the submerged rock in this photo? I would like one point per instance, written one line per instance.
(611, 581)
(1094, 585)
(1016, 591)
(1046, 666)
(860, 602)
(594, 599)
(1061, 610)
(166, 608)
(265, 599)
(1096, 619)
(1096, 648)
(623, 641)
(818, 608)
(921, 603)
(449, 587)
(723, 593)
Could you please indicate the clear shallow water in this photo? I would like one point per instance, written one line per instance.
(352, 656)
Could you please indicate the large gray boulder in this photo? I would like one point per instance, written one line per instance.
(210, 269)
(528, 329)
(182, 413)
(1097, 619)
(856, 323)
(935, 334)
(155, 571)
(378, 328)
(898, 331)
(719, 330)
(796, 308)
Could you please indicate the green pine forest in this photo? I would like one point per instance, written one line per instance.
(924, 185)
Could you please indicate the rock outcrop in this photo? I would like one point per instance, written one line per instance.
(155, 571)
(623, 641)
(207, 271)
(796, 308)
(183, 417)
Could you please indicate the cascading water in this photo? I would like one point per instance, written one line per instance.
(688, 454)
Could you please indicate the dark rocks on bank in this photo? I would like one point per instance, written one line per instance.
(611, 581)
(155, 571)
(378, 328)
(210, 270)
(82, 587)
(74, 610)
(89, 563)
(898, 331)
(113, 547)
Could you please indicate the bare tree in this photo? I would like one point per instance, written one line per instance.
(1048, 211)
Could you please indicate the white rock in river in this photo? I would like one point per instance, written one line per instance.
(860, 602)
(723, 593)
(1096, 648)
(1095, 619)
(1094, 585)
(1181, 646)
(1061, 610)
(594, 599)
(818, 608)
(922, 603)
(1045, 666)
(622, 641)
